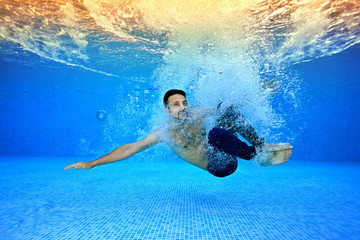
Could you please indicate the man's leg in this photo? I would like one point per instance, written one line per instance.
(221, 164)
(231, 119)
(224, 141)
(223, 150)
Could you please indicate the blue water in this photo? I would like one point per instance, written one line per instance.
(53, 85)
(45, 112)
(54, 105)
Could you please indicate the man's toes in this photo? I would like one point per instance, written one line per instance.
(288, 146)
(283, 146)
(288, 155)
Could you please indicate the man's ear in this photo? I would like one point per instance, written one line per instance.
(166, 110)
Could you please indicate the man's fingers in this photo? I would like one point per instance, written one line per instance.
(272, 85)
(275, 88)
(271, 81)
(71, 166)
(68, 167)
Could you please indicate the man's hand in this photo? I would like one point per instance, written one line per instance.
(270, 86)
(79, 165)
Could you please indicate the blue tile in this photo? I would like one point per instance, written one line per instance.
(301, 200)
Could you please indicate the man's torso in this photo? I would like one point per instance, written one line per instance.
(188, 139)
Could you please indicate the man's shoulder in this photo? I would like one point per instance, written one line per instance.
(151, 139)
(157, 133)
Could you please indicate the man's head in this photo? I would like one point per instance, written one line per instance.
(176, 104)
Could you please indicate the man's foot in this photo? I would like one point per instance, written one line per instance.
(276, 153)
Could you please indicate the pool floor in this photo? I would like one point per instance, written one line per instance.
(136, 199)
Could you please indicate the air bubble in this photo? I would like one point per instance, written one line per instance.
(101, 115)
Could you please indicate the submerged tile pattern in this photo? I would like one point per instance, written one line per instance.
(174, 200)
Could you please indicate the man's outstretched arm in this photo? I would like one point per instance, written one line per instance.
(119, 153)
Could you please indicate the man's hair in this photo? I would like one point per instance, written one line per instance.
(172, 92)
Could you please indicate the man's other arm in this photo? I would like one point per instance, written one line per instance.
(120, 153)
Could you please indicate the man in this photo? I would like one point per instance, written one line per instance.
(185, 134)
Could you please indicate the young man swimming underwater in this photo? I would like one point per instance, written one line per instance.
(185, 134)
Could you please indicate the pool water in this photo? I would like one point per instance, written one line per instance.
(80, 78)
(174, 200)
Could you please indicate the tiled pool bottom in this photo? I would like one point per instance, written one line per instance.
(158, 200)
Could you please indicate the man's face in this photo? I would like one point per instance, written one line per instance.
(177, 106)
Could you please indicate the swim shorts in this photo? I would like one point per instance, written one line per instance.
(225, 147)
